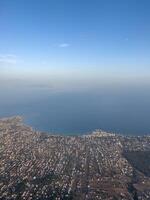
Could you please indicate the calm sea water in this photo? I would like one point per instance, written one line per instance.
(122, 110)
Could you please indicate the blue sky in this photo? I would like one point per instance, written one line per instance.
(74, 38)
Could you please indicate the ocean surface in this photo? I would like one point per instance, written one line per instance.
(124, 110)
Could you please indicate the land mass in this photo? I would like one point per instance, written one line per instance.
(98, 166)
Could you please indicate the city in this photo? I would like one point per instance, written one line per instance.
(100, 165)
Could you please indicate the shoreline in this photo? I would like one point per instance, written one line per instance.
(18, 119)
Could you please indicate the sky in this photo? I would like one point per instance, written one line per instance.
(74, 40)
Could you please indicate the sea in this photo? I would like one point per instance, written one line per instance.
(122, 110)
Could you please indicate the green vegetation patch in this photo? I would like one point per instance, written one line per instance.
(140, 160)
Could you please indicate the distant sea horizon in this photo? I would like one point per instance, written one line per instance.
(123, 111)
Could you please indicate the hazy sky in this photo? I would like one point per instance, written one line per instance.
(74, 39)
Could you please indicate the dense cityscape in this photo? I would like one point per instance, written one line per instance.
(97, 166)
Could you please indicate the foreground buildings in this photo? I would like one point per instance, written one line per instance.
(99, 166)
